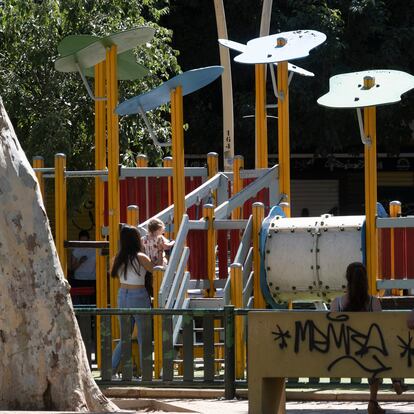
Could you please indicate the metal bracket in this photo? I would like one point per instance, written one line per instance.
(290, 77)
(365, 140)
(316, 234)
(151, 131)
(274, 81)
(88, 88)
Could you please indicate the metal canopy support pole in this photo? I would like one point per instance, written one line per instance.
(258, 216)
(178, 156)
(167, 163)
(39, 162)
(142, 162)
(238, 164)
(236, 288)
(283, 131)
(226, 87)
(208, 214)
(133, 220)
(261, 121)
(212, 170)
(113, 171)
(158, 275)
(395, 211)
(60, 210)
(100, 164)
(371, 191)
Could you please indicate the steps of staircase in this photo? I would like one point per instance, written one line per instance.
(205, 303)
(199, 344)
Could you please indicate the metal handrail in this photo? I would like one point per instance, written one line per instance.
(191, 199)
(178, 278)
(247, 266)
(395, 222)
(226, 292)
(244, 255)
(267, 180)
(245, 242)
(175, 258)
(248, 290)
(181, 303)
(136, 172)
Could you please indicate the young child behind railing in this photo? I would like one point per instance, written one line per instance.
(155, 245)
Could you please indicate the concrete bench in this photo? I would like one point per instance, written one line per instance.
(322, 344)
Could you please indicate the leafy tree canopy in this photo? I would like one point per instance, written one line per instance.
(361, 35)
(51, 111)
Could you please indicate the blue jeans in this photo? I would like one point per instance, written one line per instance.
(131, 298)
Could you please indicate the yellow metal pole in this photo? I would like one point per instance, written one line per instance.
(141, 161)
(133, 215)
(283, 129)
(236, 285)
(258, 216)
(167, 163)
(238, 164)
(133, 220)
(113, 172)
(100, 164)
(260, 118)
(371, 190)
(395, 211)
(60, 210)
(39, 162)
(178, 156)
(208, 214)
(212, 170)
(212, 164)
(158, 275)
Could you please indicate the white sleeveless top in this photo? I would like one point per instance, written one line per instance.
(132, 277)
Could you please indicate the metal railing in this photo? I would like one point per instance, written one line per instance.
(244, 258)
(395, 223)
(267, 180)
(180, 366)
(217, 183)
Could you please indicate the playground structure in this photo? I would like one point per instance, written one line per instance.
(234, 270)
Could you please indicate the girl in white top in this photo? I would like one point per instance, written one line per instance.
(130, 265)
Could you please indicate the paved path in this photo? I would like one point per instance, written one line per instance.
(240, 407)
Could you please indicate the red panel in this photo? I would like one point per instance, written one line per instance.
(196, 240)
(123, 204)
(234, 243)
(410, 255)
(400, 253)
(384, 252)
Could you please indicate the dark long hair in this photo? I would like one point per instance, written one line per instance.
(358, 298)
(130, 241)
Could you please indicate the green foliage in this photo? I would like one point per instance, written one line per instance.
(361, 35)
(51, 111)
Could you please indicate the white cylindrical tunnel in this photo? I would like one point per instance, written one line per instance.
(305, 258)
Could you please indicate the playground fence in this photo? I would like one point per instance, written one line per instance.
(180, 366)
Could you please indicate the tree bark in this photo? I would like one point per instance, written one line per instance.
(43, 363)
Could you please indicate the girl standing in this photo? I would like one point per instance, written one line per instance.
(130, 265)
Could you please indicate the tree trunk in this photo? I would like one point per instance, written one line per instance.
(43, 363)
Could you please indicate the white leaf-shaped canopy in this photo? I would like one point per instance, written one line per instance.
(347, 90)
(277, 48)
(240, 47)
